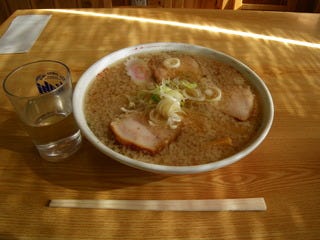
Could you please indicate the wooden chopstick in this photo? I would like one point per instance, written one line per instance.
(239, 204)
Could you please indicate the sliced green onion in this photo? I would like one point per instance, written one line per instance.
(165, 101)
(155, 119)
(155, 98)
(125, 110)
(167, 107)
(171, 62)
(193, 94)
(188, 84)
(213, 94)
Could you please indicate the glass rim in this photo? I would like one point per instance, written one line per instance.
(12, 72)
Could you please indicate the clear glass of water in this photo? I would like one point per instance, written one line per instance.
(41, 93)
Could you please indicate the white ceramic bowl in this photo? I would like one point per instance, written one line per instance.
(89, 76)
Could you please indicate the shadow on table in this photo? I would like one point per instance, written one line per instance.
(13, 137)
(90, 170)
(87, 170)
(7, 236)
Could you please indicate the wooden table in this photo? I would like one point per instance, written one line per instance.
(283, 48)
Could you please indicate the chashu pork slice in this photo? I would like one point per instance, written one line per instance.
(237, 102)
(188, 69)
(134, 130)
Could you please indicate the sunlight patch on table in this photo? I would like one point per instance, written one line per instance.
(193, 26)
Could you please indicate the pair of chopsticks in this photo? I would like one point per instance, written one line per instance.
(238, 204)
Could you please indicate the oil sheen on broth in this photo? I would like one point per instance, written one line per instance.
(207, 128)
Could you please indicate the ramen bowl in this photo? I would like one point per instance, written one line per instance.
(89, 76)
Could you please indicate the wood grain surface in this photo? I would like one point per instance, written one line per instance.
(282, 48)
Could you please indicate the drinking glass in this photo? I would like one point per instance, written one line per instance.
(41, 93)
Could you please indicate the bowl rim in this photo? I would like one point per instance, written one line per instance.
(90, 74)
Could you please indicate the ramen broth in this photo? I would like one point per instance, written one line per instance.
(207, 133)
